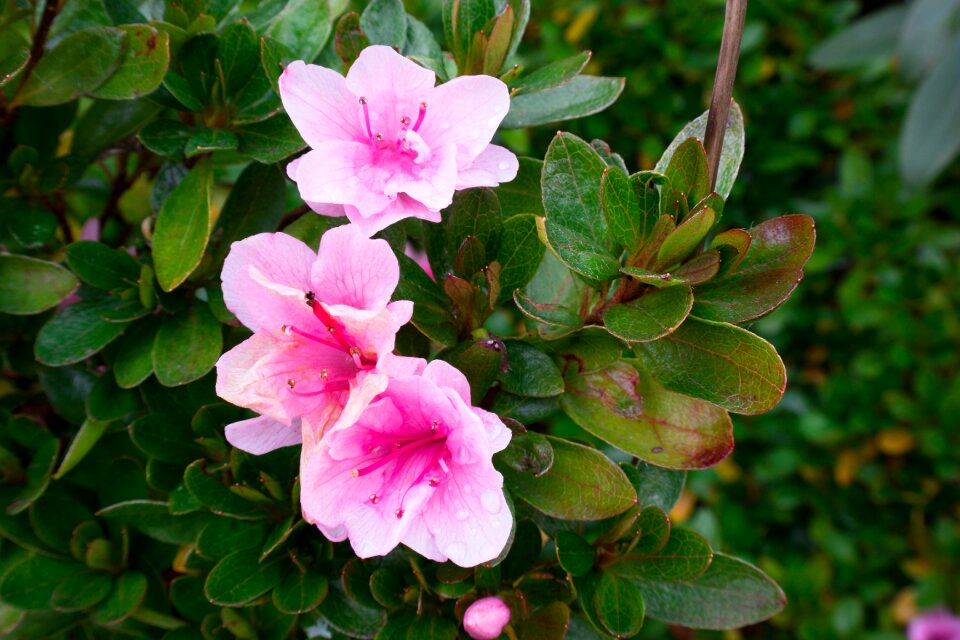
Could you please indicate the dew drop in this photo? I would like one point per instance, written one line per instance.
(502, 166)
(491, 501)
(462, 515)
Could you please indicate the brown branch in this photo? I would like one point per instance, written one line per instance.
(723, 84)
(50, 12)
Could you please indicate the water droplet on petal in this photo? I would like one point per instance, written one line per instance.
(502, 166)
(462, 515)
(491, 501)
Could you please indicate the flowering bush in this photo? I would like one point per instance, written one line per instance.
(147, 495)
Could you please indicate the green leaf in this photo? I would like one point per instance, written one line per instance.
(523, 193)
(208, 141)
(88, 435)
(183, 227)
(581, 96)
(652, 316)
(303, 26)
(731, 594)
(154, 519)
(240, 578)
(81, 591)
(350, 618)
(29, 286)
(479, 360)
(108, 402)
(14, 54)
(39, 474)
(431, 315)
(238, 50)
(134, 362)
(654, 528)
(30, 223)
(473, 213)
(30, 584)
(461, 20)
(657, 486)
(76, 332)
(350, 39)
(730, 156)
(766, 275)
(101, 266)
(630, 411)
(218, 498)
(79, 63)
(688, 180)
(685, 557)
(187, 346)
(576, 555)
(925, 35)
(552, 75)
(107, 121)
(930, 138)
(717, 362)
(128, 593)
(300, 592)
(165, 438)
(223, 536)
(146, 56)
(575, 225)
(685, 239)
(873, 37)
(255, 205)
(619, 606)
(519, 253)
(628, 223)
(385, 22)
(582, 484)
(558, 319)
(271, 140)
(551, 622)
(528, 452)
(530, 372)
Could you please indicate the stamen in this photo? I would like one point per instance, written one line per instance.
(366, 116)
(398, 450)
(374, 498)
(405, 121)
(434, 425)
(290, 329)
(291, 383)
(327, 388)
(399, 513)
(423, 112)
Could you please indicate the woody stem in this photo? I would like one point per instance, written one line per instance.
(723, 84)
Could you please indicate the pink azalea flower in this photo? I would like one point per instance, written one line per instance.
(387, 144)
(486, 618)
(324, 330)
(934, 625)
(420, 257)
(414, 466)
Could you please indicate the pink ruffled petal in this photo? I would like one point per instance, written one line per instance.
(401, 208)
(265, 278)
(262, 434)
(319, 104)
(493, 166)
(443, 374)
(354, 270)
(434, 185)
(465, 112)
(343, 173)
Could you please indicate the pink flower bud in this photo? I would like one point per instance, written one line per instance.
(486, 618)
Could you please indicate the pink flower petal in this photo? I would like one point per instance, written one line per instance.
(486, 618)
(343, 173)
(355, 271)
(493, 166)
(262, 435)
(264, 280)
(444, 374)
(403, 207)
(319, 103)
(465, 112)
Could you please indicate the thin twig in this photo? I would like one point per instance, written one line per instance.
(723, 84)
(50, 12)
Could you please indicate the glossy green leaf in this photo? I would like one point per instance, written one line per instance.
(731, 594)
(270, 140)
(101, 266)
(128, 593)
(479, 361)
(240, 577)
(165, 438)
(208, 141)
(685, 239)
(108, 402)
(238, 50)
(349, 38)
(29, 286)
(619, 606)
(633, 413)
(651, 316)
(687, 178)
(581, 96)
(223, 536)
(730, 156)
(211, 492)
(88, 435)
(519, 253)
(79, 63)
(582, 484)
(107, 121)
(621, 208)
(657, 486)
(14, 55)
(523, 194)
(717, 362)
(154, 519)
(187, 346)
(76, 332)
(765, 277)
(146, 56)
(183, 227)
(528, 452)
(530, 372)
(551, 75)
(575, 225)
(30, 584)
(349, 617)
(653, 525)
(431, 315)
(255, 205)
(39, 474)
(300, 592)
(576, 555)
(134, 362)
(81, 591)
(461, 20)
(559, 319)
(685, 557)
(385, 22)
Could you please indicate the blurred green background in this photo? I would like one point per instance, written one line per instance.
(849, 492)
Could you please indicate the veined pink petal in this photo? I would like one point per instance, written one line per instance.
(444, 374)
(465, 112)
(343, 173)
(493, 166)
(319, 104)
(262, 434)
(403, 207)
(355, 271)
(433, 185)
(262, 276)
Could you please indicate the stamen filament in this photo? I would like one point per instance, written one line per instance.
(423, 112)
(397, 451)
(366, 116)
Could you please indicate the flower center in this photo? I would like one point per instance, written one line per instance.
(419, 458)
(401, 145)
(335, 337)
